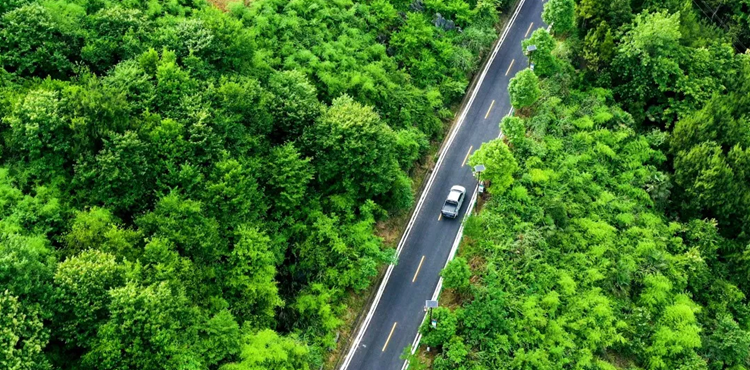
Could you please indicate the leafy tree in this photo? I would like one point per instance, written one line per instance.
(410, 145)
(183, 222)
(353, 151)
(232, 195)
(317, 313)
(249, 278)
(82, 285)
(514, 129)
(341, 255)
(710, 153)
(545, 64)
(26, 270)
(560, 14)
(289, 176)
(294, 105)
(729, 345)
(676, 335)
(591, 13)
(98, 229)
(119, 176)
(33, 43)
(23, 336)
(523, 89)
(247, 107)
(39, 135)
(653, 64)
(39, 213)
(268, 350)
(153, 327)
(599, 47)
(11, 4)
(445, 329)
(456, 274)
(118, 34)
(499, 163)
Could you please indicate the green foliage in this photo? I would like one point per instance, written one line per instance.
(154, 326)
(560, 14)
(651, 64)
(26, 270)
(410, 146)
(444, 330)
(353, 150)
(294, 105)
(545, 64)
(98, 229)
(23, 336)
(34, 43)
(599, 47)
(249, 279)
(118, 34)
(39, 137)
(523, 89)
(728, 345)
(514, 130)
(82, 285)
(711, 155)
(289, 177)
(456, 274)
(579, 263)
(172, 172)
(268, 350)
(499, 163)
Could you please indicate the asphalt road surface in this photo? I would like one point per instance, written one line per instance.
(392, 323)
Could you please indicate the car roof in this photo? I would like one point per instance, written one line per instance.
(456, 191)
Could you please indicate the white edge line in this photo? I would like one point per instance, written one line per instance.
(452, 254)
(456, 242)
(455, 130)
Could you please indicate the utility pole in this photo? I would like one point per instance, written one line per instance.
(428, 306)
(529, 51)
(478, 170)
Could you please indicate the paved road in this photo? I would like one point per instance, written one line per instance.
(394, 321)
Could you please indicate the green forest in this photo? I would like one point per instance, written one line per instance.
(192, 186)
(616, 233)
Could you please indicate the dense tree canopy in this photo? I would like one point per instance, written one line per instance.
(188, 187)
(524, 89)
(620, 240)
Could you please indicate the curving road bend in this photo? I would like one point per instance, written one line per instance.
(394, 317)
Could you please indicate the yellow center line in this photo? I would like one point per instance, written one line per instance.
(490, 109)
(527, 31)
(510, 66)
(441, 216)
(418, 268)
(389, 336)
(467, 155)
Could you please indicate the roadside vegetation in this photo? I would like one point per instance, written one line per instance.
(621, 239)
(183, 187)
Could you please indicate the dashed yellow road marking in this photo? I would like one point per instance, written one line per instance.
(441, 216)
(418, 268)
(510, 66)
(389, 336)
(467, 154)
(489, 110)
(527, 31)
